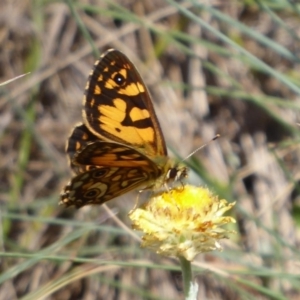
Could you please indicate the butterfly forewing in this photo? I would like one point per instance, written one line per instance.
(118, 107)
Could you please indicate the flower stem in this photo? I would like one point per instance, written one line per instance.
(186, 270)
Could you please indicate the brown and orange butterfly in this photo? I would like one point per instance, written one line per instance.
(119, 146)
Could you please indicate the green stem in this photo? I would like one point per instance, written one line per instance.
(186, 270)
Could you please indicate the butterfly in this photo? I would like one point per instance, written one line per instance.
(119, 146)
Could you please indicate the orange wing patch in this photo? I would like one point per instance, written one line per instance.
(101, 153)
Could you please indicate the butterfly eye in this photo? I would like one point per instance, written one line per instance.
(172, 173)
(119, 79)
(91, 194)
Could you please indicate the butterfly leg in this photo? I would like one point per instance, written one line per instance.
(137, 199)
(182, 185)
(139, 193)
(167, 187)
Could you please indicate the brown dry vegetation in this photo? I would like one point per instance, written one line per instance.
(247, 91)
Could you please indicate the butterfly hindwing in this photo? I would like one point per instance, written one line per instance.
(100, 185)
(79, 139)
(102, 153)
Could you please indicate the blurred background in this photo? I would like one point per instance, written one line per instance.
(212, 67)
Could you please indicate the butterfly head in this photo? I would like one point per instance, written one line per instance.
(177, 173)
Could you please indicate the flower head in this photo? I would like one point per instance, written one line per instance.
(182, 222)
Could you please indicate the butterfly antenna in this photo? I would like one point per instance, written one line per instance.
(202, 146)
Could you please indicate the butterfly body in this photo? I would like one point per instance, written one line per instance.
(120, 146)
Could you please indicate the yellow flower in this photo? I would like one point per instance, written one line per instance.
(182, 222)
